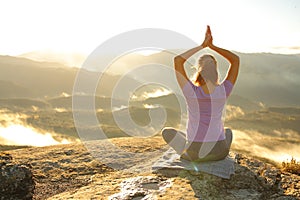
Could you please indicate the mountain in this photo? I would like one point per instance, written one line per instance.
(244, 103)
(9, 89)
(68, 59)
(41, 78)
(22, 77)
(270, 79)
(23, 103)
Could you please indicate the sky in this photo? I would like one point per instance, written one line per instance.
(80, 26)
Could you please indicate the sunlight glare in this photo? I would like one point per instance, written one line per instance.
(148, 52)
(20, 135)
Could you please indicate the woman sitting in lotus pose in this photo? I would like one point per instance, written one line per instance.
(206, 138)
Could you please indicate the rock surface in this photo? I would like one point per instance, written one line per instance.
(71, 172)
(16, 180)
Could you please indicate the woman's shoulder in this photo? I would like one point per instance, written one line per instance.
(227, 82)
(188, 87)
(228, 85)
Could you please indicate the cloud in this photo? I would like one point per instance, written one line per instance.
(20, 135)
(152, 94)
(7, 118)
(14, 131)
(296, 48)
(275, 148)
(233, 112)
(60, 110)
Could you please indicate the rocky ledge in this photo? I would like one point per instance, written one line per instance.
(16, 180)
(71, 172)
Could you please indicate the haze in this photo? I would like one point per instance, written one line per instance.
(80, 26)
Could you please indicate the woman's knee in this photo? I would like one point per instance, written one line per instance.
(228, 131)
(168, 133)
(228, 135)
(168, 130)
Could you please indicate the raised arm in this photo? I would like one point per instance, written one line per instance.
(179, 61)
(234, 61)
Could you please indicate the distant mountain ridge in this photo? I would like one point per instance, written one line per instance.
(68, 59)
(10, 89)
(20, 78)
(272, 79)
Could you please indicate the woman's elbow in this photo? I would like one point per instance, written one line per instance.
(236, 60)
(179, 59)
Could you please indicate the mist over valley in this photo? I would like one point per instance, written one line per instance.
(36, 100)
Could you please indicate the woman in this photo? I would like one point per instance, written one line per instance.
(206, 138)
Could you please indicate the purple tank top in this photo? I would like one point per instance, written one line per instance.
(205, 112)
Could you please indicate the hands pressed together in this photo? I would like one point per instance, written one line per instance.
(208, 38)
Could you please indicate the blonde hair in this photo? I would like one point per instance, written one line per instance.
(207, 70)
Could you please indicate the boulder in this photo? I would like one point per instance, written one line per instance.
(16, 180)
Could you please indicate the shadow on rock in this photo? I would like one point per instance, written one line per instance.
(252, 180)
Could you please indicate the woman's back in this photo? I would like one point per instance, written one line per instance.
(205, 111)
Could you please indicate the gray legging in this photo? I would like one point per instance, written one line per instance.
(197, 151)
